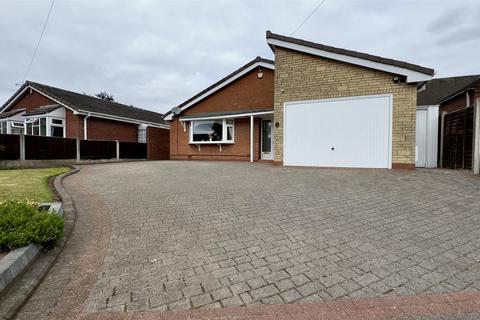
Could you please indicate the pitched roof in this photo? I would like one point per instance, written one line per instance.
(441, 89)
(4, 115)
(350, 53)
(84, 103)
(43, 109)
(222, 82)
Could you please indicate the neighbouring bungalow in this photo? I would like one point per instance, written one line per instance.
(41, 110)
(316, 105)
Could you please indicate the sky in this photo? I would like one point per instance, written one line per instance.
(157, 54)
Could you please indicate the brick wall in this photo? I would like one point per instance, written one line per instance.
(306, 77)
(74, 125)
(246, 93)
(180, 149)
(457, 103)
(103, 129)
(31, 100)
(158, 144)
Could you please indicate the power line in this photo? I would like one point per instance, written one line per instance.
(38, 43)
(309, 16)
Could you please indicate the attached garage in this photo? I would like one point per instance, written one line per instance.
(342, 132)
(335, 107)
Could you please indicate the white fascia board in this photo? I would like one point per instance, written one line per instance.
(43, 94)
(426, 106)
(227, 116)
(223, 84)
(14, 99)
(122, 119)
(412, 76)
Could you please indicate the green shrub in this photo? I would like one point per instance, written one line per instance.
(22, 223)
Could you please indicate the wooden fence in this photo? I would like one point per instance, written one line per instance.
(458, 139)
(9, 147)
(24, 147)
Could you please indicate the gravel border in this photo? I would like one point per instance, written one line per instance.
(22, 288)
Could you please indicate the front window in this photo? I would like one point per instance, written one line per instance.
(3, 127)
(33, 127)
(212, 131)
(142, 135)
(16, 127)
(56, 128)
(44, 126)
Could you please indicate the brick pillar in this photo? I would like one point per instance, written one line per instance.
(158, 144)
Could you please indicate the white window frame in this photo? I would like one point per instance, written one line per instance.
(2, 123)
(32, 121)
(224, 132)
(142, 134)
(15, 124)
(48, 123)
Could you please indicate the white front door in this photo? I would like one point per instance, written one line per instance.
(343, 132)
(267, 143)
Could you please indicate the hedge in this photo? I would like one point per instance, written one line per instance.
(22, 223)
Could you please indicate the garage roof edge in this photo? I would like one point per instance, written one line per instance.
(420, 73)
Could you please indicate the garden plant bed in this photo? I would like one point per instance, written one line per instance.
(13, 263)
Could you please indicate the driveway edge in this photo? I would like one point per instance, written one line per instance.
(22, 289)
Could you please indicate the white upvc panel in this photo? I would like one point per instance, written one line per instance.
(344, 132)
(421, 139)
(427, 137)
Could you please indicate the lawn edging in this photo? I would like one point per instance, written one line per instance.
(23, 287)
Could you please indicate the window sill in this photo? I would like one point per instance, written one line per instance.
(212, 142)
(218, 143)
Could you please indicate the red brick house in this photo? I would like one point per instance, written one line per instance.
(38, 109)
(215, 124)
(316, 105)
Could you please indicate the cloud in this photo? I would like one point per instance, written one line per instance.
(156, 54)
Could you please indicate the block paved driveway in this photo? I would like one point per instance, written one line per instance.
(173, 235)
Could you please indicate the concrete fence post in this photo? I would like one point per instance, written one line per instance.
(78, 150)
(118, 149)
(22, 147)
(476, 137)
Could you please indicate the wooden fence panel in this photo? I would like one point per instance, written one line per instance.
(96, 150)
(133, 150)
(49, 148)
(458, 139)
(9, 147)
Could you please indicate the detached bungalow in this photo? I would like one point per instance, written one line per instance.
(316, 105)
(41, 110)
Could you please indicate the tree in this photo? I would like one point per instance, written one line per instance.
(104, 96)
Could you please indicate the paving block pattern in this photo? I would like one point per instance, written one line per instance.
(188, 235)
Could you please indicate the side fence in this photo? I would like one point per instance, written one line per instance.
(24, 147)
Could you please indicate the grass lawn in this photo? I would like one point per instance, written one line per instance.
(31, 184)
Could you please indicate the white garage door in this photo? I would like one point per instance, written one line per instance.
(346, 132)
